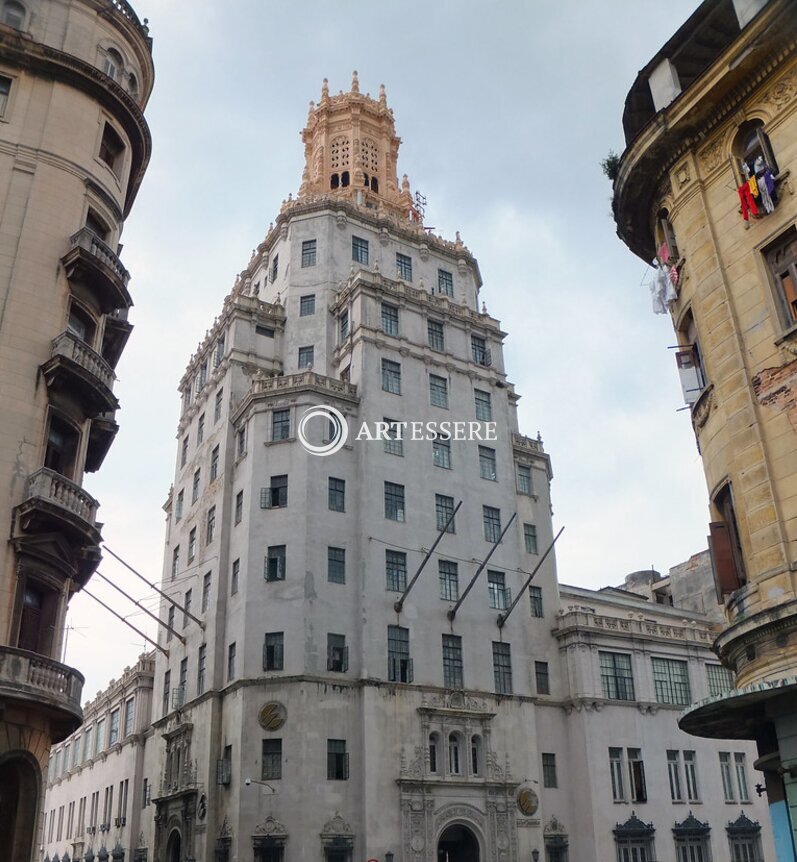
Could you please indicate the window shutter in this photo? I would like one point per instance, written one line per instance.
(726, 578)
(689, 374)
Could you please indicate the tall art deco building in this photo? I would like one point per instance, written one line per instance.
(359, 712)
(707, 186)
(75, 76)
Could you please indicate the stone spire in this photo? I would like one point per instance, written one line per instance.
(351, 150)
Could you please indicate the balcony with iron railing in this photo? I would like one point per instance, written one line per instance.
(93, 263)
(53, 687)
(77, 368)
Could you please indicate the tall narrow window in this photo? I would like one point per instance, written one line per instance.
(200, 429)
(499, 594)
(214, 464)
(396, 571)
(454, 754)
(308, 253)
(337, 653)
(542, 677)
(689, 359)
(436, 335)
(337, 494)
(479, 351)
(336, 565)
(112, 149)
(725, 545)
(449, 580)
(636, 772)
(280, 424)
(484, 406)
(487, 468)
(444, 509)
(275, 265)
(130, 709)
(549, 777)
(307, 305)
(275, 563)
(445, 282)
(674, 773)
(195, 486)
(781, 260)
(359, 250)
(239, 507)
(523, 479)
(394, 444)
(492, 523)
(535, 601)
(201, 667)
(218, 404)
(234, 575)
(390, 319)
(271, 764)
(210, 531)
(452, 661)
(343, 326)
(438, 391)
(399, 664)
(530, 538)
(690, 774)
(616, 771)
(231, 661)
(741, 776)
(394, 501)
(391, 376)
(404, 266)
(205, 591)
(441, 452)
(306, 357)
(187, 606)
(274, 651)
(502, 668)
(337, 760)
(727, 776)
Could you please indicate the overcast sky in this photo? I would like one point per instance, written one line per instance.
(505, 111)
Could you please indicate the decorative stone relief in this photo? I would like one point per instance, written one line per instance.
(682, 174)
(271, 827)
(784, 90)
(272, 715)
(711, 156)
(337, 827)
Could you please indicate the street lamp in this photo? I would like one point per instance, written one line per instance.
(248, 781)
(535, 855)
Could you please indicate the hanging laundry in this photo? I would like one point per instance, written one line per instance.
(747, 201)
(764, 197)
(662, 292)
(671, 293)
(753, 186)
(663, 253)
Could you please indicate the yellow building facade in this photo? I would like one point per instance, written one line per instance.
(75, 76)
(705, 190)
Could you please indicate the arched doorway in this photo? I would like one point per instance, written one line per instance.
(19, 795)
(458, 844)
(174, 851)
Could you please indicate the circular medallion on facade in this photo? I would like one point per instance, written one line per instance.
(272, 715)
(527, 801)
(417, 843)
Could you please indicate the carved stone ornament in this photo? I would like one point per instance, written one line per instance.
(703, 407)
(554, 827)
(272, 715)
(784, 90)
(271, 827)
(337, 826)
(527, 802)
(711, 156)
(682, 174)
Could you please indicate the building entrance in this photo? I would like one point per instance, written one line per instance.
(174, 848)
(458, 844)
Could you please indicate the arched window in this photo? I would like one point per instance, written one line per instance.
(375, 185)
(689, 359)
(476, 755)
(113, 64)
(14, 14)
(365, 180)
(344, 179)
(334, 181)
(454, 754)
(81, 324)
(132, 84)
(753, 151)
(434, 740)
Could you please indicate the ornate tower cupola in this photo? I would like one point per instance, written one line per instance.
(351, 148)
